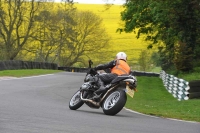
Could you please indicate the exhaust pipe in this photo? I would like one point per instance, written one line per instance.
(97, 104)
(91, 101)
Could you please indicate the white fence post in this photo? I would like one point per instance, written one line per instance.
(177, 87)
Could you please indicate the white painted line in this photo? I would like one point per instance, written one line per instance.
(7, 78)
(35, 76)
(182, 120)
(161, 117)
(11, 78)
(140, 113)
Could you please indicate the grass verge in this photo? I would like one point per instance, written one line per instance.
(26, 72)
(153, 99)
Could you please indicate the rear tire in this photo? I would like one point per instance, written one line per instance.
(114, 103)
(76, 101)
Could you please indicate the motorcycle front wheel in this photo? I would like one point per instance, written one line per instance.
(76, 101)
(114, 103)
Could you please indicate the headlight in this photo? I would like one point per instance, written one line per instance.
(87, 78)
(85, 86)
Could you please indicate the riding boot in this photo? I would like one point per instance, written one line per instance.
(102, 87)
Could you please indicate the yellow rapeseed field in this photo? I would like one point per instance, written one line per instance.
(126, 42)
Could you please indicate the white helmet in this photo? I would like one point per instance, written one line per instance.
(121, 55)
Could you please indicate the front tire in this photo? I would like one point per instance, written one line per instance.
(114, 103)
(76, 101)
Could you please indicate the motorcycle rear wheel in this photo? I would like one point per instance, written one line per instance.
(114, 103)
(76, 101)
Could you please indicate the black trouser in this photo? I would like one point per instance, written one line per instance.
(104, 79)
(107, 78)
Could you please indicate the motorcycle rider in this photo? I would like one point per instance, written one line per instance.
(117, 67)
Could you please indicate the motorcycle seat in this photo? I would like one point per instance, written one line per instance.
(120, 78)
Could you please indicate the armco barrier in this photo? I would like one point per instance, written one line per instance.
(179, 88)
(73, 69)
(194, 89)
(148, 74)
(16, 64)
(134, 73)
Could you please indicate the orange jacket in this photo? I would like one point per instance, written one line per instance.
(121, 67)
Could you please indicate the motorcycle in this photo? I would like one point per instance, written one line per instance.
(112, 101)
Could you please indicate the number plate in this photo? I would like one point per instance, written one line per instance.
(129, 91)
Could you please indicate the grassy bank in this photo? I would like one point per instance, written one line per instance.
(152, 98)
(193, 75)
(26, 72)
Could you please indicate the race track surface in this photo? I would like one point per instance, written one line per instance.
(39, 104)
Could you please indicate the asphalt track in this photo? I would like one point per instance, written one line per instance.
(40, 105)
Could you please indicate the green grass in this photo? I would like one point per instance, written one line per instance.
(26, 72)
(152, 98)
(156, 69)
(190, 77)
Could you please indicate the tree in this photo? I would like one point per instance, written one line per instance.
(89, 40)
(182, 56)
(144, 60)
(155, 57)
(16, 23)
(44, 47)
(53, 31)
(69, 35)
(169, 21)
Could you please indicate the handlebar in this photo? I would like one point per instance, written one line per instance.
(90, 63)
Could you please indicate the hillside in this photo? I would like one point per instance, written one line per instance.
(126, 42)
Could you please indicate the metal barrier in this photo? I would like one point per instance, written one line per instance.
(194, 89)
(135, 73)
(179, 88)
(17, 64)
(148, 74)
